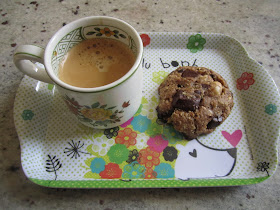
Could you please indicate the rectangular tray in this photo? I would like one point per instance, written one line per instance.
(57, 151)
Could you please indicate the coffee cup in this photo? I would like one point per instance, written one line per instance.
(99, 107)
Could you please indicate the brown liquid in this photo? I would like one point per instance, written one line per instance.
(96, 62)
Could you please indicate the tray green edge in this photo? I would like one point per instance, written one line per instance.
(147, 183)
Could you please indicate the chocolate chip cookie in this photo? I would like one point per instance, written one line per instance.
(195, 100)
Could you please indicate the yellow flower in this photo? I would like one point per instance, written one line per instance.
(107, 32)
(96, 114)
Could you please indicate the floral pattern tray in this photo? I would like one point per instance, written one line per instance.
(57, 151)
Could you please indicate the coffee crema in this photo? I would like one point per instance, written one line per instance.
(96, 62)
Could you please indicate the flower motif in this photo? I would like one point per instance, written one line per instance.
(133, 155)
(133, 170)
(263, 166)
(141, 141)
(145, 39)
(154, 129)
(97, 114)
(126, 123)
(125, 104)
(118, 153)
(164, 170)
(126, 137)
(112, 171)
(244, 82)
(149, 110)
(102, 145)
(107, 32)
(97, 165)
(159, 76)
(72, 104)
(157, 143)
(196, 43)
(170, 154)
(171, 135)
(111, 132)
(270, 109)
(150, 173)
(140, 123)
(27, 114)
(148, 157)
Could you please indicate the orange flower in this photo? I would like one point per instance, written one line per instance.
(97, 113)
(112, 171)
(107, 32)
(148, 157)
(126, 137)
(150, 173)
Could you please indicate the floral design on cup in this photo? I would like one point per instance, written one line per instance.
(145, 39)
(106, 31)
(96, 114)
(196, 43)
(27, 114)
(245, 81)
(133, 170)
(270, 109)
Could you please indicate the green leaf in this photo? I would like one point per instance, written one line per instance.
(92, 175)
(97, 29)
(90, 33)
(99, 34)
(116, 36)
(154, 99)
(95, 105)
(103, 106)
(144, 100)
(89, 149)
(112, 107)
(122, 36)
(84, 119)
(88, 161)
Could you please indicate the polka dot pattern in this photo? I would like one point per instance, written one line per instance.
(52, 129)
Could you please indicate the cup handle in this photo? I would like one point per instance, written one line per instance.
(24, 58)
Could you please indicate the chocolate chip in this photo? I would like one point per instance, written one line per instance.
(216, 121)
(164, 116)
(189, 73)
(181, 101)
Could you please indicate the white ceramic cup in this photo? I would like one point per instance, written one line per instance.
(100, 107)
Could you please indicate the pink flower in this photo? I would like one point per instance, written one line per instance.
(244, 82)
(126, 123)
(145, 39)
(157, 143)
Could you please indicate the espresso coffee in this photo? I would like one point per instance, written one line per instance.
(96, 62)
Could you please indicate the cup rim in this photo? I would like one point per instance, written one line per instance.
(69, 26)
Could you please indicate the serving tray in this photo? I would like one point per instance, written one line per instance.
(57, 151)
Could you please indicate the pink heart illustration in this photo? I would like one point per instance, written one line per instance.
(233, 138)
